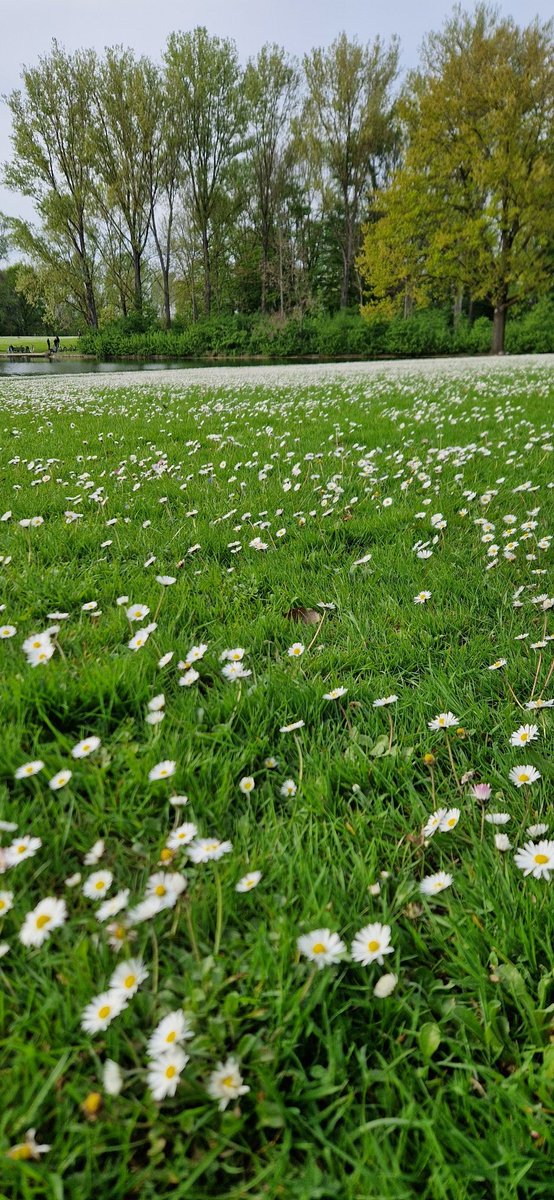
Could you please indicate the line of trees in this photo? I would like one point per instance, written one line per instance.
(197, 186)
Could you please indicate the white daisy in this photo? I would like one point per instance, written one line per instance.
(164, 1072)
(162, 770)
(371, 943)
(225, 1083)
(49, 914)
(536, 859)
(248, 882)
(102, 1009)
(321, 947)
(435, 883)
(170, 1031)
(524, 775)
(85, 747)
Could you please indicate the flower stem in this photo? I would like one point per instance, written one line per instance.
(300, 760)
(219, 913)
(451, 757)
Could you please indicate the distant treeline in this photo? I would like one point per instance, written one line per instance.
(201, 186)
(342, 335)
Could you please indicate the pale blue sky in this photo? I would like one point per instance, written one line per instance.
(27, 28)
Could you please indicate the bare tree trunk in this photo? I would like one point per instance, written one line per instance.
(167, 298)
(138, 279)
(458, 303)
(207, 273)
(499, 328)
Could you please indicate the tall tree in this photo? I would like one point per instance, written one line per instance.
(348, 130)
(52, 163)
(205, 81)
(479, 166)
(271, 89)
(128, 107)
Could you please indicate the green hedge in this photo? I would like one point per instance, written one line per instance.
(427, 332)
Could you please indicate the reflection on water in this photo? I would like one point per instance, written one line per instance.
(91, 367)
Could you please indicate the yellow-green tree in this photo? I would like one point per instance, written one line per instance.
(472, 205)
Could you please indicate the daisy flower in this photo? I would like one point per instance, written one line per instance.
(481, 791)
(450, 820)
(170, 1031)
(128, 976)
(110, 908)
(165, 659)
(137, 612)
(434, 822)
(321, 947)
(495, 666)
(384, 700)
(27, 770)
(156, 703)
(233, 671)
(162, 770)
(502, 842)
(95, 853)
(189, 678)
(101, 1011)
(165, 580)
(27, 1149)
(112, 1078)
(422, 597)
(247, 784)
(443, 721)
(181, 836)
(288, 788)
(22, 848)
(524, 775)
(225, 1083)
(248, 881)
(335, 693)
(49, 914)
(536, 859)
(525, 733)
(139, 639)
(6, 902)
(435, 883)
(165, 887)
(288, 729)
(85, 747)
(164, 1072)
(537, 830)
(208, 850)
(7, 631)
(271, 762)
(385, 986)
(497, 818)
(59, 780)
(296, 650)
(371, 943)
(97, 884)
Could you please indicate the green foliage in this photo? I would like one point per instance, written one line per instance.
(345, 335)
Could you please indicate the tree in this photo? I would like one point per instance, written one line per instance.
(52, 164)
(21, 303)
(479, 166)
(271, 88)
(348, 131)
(205, 81)
(128, 107)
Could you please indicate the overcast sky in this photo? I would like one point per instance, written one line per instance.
(27, 29)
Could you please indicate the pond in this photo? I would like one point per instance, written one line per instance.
(83, 366)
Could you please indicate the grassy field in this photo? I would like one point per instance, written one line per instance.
(37, 344)
(312, 510)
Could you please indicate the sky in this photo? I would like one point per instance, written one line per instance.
(27, 30)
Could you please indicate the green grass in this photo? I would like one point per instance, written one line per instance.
(444, 1089)
(37, 343)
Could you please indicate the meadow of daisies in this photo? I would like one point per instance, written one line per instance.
(276, 827)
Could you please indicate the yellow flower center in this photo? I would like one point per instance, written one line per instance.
(129, 981)
(163, 772)
(171, 1036)
(2, 904)
(438, 885)
(541, 859)
(166, 854)
(28, 770)
(523, 777)
(104, 1011)
(373, 946)
(100, 883)
(523, 737)
(43, 920)
(451, 822)
(22, 848)
(319, 948)
(170, 1071)
(228, 1082)
(23, 1151)
(119, 932)
(85, 746)
(161, 890)
(212, 846)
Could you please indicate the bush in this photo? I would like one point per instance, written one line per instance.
(427, 332)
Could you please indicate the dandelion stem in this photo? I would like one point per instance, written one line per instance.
(300, 759)
(219, 913)
(157, 612)
(451, 757)
(191, 933)
(513, 695)
(317, 633)
(155, 962)
(547, 680)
